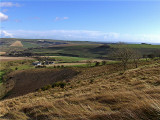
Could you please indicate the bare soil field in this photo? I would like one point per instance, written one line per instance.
(2, 53)
(17, 44)
(2, 58)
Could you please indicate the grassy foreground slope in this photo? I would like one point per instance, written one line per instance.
(132, 95)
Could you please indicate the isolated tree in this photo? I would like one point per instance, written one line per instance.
(123, 54)
(136, 57)
(104, 62)
(97, 63)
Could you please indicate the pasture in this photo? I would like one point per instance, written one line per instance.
(69, 59)
(15, 63)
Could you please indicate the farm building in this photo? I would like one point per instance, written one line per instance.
(37, 63)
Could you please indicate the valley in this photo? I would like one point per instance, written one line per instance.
(69, 80)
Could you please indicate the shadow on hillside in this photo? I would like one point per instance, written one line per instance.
(30, 80)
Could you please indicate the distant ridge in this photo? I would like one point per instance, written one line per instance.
(17, 44)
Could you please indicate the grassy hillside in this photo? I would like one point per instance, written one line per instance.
(139, 46)
(92, 50)
(34, 43)
(47, 47)
(97, 93)
(65, 59)
(74, 51)
(1, 74)
(83, 49)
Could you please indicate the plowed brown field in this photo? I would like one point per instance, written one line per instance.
(14, 58)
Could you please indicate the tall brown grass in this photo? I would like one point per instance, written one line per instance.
(128, 96)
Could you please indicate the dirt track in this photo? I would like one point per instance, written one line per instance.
(67, 64)
(14, 58)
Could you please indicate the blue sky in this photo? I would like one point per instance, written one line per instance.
(108, 21)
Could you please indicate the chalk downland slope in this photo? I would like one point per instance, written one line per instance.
(132, 95)
(17, 44)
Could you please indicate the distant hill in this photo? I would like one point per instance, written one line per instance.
(47, 47)
(5, 43)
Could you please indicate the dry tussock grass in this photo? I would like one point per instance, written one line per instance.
(131, 95)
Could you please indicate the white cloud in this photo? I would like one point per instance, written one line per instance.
(4, 34)
(111, 35)
(86, 35)
(61, 18)
(3, 17)
(9, 4)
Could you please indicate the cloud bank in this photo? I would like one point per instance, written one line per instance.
(3, 17)
(5, 34)
(85, 35)
(9, 4)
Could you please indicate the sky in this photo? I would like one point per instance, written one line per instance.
(102, 21)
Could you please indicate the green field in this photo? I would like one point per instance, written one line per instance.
(29, 45)
(16, 65)
(92, 50)
(65, 59)
(83, 49)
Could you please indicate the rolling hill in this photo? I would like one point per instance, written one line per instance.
(94, 94)
(46, 47)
